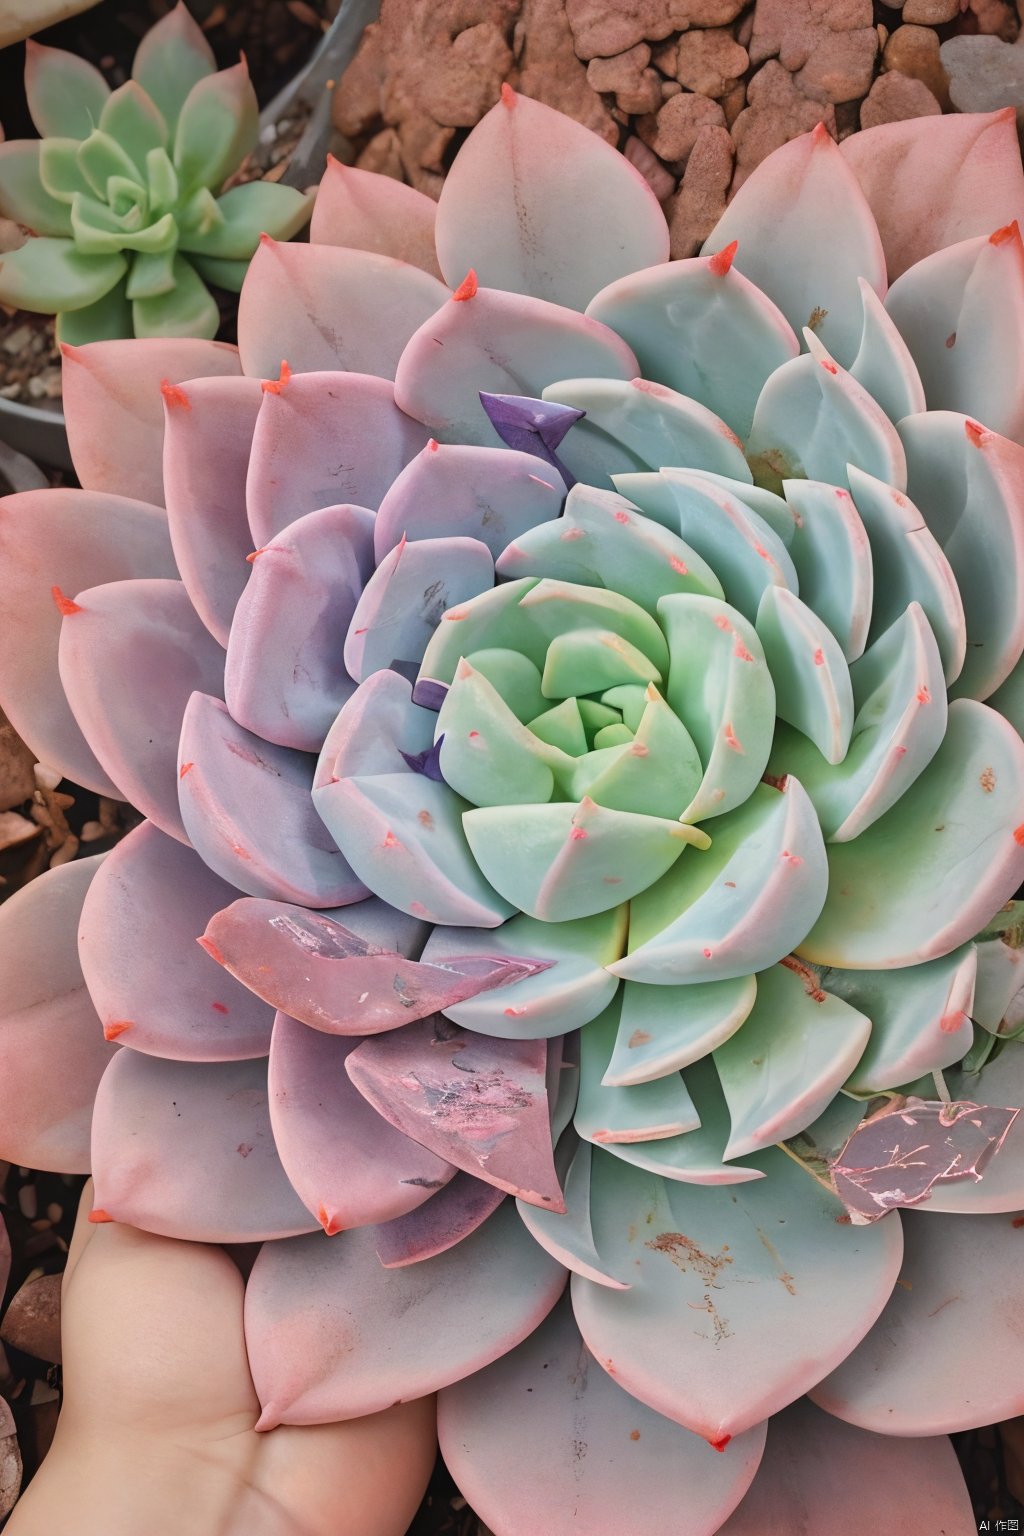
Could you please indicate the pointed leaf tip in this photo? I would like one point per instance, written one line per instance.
(210, 947)
(175, 398)
(467, 289)
(277, 386)
(65, 604)
(508, 95)
(1009, 231)
(722, 260)
(116, 1027)
(98, 1215)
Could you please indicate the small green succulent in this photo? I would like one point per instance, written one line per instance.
(121, 190)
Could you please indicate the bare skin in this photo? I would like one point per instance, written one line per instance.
(156, 1432)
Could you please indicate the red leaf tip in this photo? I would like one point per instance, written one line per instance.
(977, 435)
(175, 397)
(467, 289)
(433, 445)
(820, 135)
(116, 1027)
(328, 1220)
(508, 95)
(211, 948)
(1009, 231)
(185, 768)
(99, 1215)
(276, 386)
(722, 260)
(65, 604)
(723, 1440)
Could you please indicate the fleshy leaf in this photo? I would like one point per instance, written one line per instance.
(832, 556)
(447, 1218)
(247, 810)
(479, 1103)
(285, 678)
(52, 1049)
(391, 1334)
(146, 634)
(567, 1234)
(324, 440)
(806, 234)
(152, 986)
(369, 212)
(254, 209)
(884, 363)
(173, 57)
(813, 691)
(1001, 1188)
(662, 1029)
(502, 208)
(46, 275)
(708, 333)
(329, 308)
(926, 876)
(115, 408)
(596, 1456)
(61, 541)
(741, 1296)
(188, 308)
(185, 1149)
(22, 195)
(349, 1166)
(746, 554)
(640, 1112)
(907, 1376)
(65, 93)
(217, 127)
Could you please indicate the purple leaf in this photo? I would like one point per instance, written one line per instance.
(532, 426)
(427, 762)
(895, 1157)
(439, 1224)
(348, 1165)
(319, 971)
(480, 1103)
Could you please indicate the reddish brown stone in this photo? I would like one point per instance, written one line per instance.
(700, 201)
(914, 51)
(776, 112)
(710, 61)
(673, 132)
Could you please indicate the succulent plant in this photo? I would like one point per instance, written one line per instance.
(600, 785)
(121, 190)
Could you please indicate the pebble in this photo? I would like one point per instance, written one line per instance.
(673, 132)
(996, 18)
(914, 51)
(603, 28)
(829, 49)
(710, 62)
(931, 13)
(10, 1461)
(700, 201)
(985, 74)
(32, 1320)
(657, 176)
(635, 86)
(775, 113)
(894, 97)
(15, 829)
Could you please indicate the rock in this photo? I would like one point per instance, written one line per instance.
(734, 102)
(10, 1461)
(914, 51)
(422, 146)
(32, 1320)
(635, 86)
(355, 106)
(776, 112)
(984, 74)
(894, 97)
(930, 13)
(710, 61)
(16, 829)
(667, 58)
(657, 176)
(847, 119)
(550, 71)
(602, 28)
(470, 83)
(673, 132)
(829, 48)
(701, 199)
(706, 13)
(383, 154)
(465, 42)
(17, 780)
(996, 19)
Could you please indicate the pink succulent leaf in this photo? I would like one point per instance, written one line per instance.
(812, 419)
(635, 425)
(285, 678)
(246, 808)
(444, 1220)
(348, 1165)
(320, 971)
(873, 1479)
(931, 183)
(66, 94)
(805, 234)
(207, 443)
(52, 1050)
(398, 826)
(491, 494)
(324, 440)
(293, 294)
(634, 1457)
(662, 1029)
(480, 1103)
(186, 1149)
(567, 1235)
(152, 986)
(920, 1017)
(115, 408)
(702, 308)
(742, 1297)
(173, 57)
(907, 1376)
(884, 363)
(52, 545)
(406, 1331)
(971, 481)
(498, 343)
(960, 312)
(502, 208)
(369, 212)
(895, 1157)
(1000, 1081)
(568, 995)
(405, 597)
(147, 636)
(890, 901)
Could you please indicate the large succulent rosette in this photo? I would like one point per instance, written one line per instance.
(573, 700)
